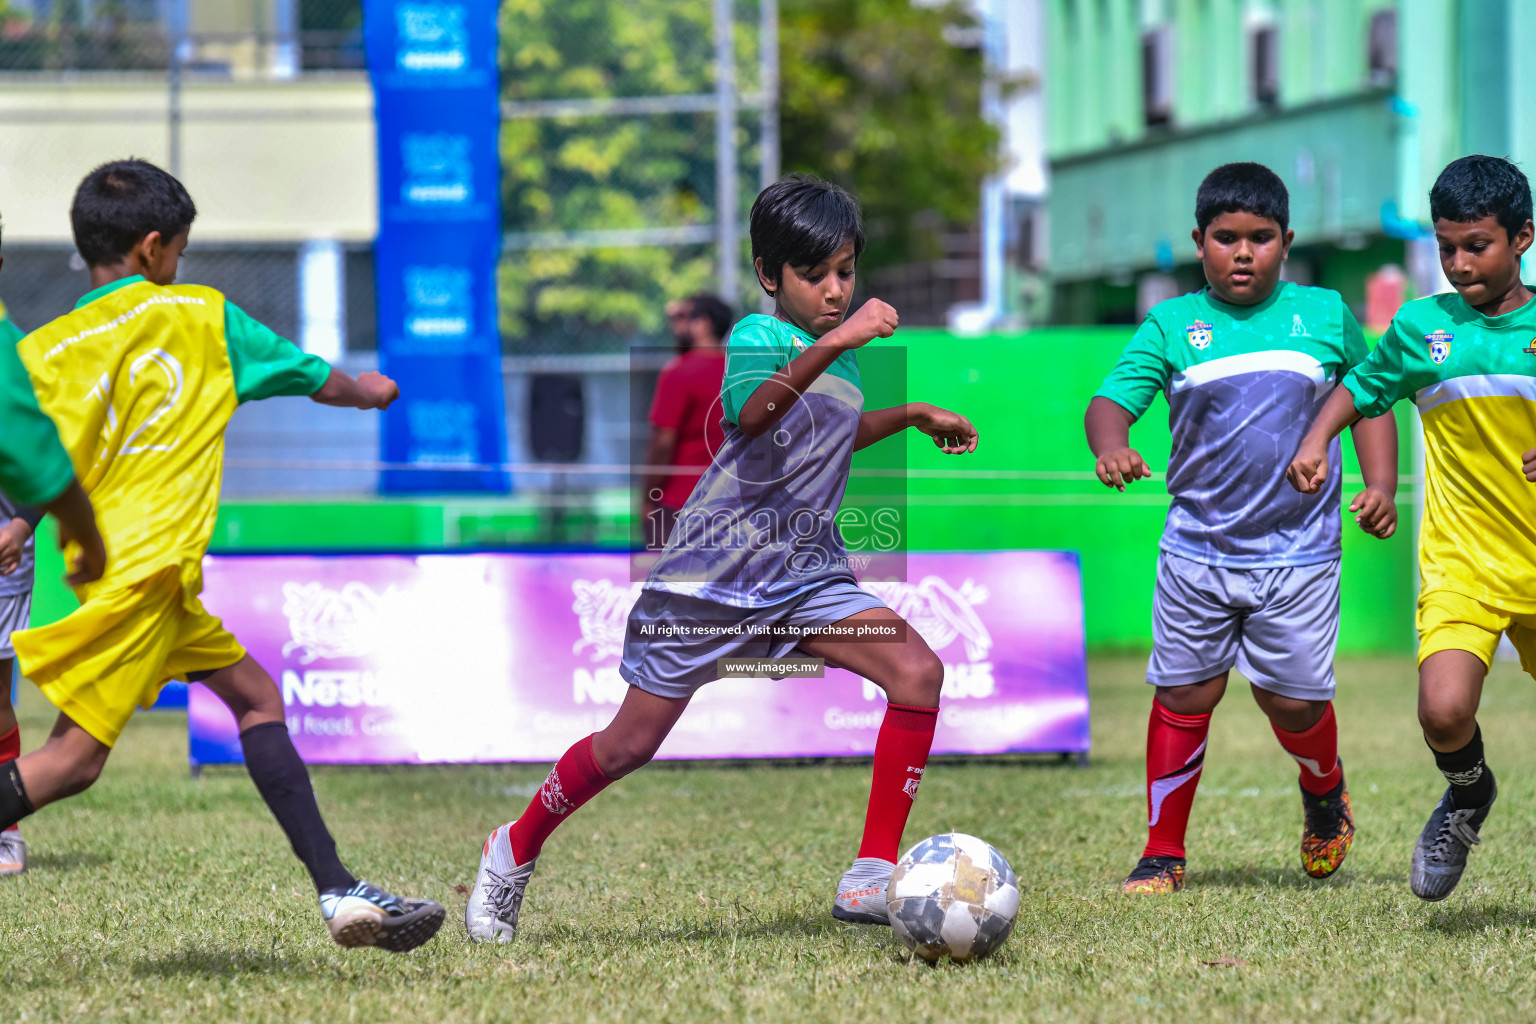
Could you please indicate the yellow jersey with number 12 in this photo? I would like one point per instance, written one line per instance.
(141, 380)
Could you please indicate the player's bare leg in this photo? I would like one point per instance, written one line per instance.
(508, 857)
(1308, 732)
(911, 676)
(1176, 733)
(13, 849)
(1450, 690)
(357, 914)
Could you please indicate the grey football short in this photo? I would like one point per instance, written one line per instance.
(1279, 626)
(703, 632)
(15, 609)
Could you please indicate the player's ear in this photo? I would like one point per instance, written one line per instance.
(1523, 238)
(769, 285)
(1199, 237)
(1285, 244)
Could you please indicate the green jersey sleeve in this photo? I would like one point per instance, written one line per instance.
(1384, 376)
(34, 467)
(1355, 348)
(1142, 372)
(266, 364)
(754, 353)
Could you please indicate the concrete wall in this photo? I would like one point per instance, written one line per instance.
(265, 161)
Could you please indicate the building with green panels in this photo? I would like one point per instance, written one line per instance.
(1356, 103)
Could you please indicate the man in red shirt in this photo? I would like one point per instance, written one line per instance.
(685, 417)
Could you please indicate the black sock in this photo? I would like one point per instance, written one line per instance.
(14, 804)
(1471, 780)
(283, 782)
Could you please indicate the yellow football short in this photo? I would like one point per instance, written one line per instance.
(116, 651)
(1454, 622)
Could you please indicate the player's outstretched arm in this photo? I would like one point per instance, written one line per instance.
(1375, 507)
(773, 397)
(77, 522)
(369, 391)
(1108, 424)
(1309, 468)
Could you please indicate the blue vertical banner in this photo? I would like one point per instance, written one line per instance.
(436, 97)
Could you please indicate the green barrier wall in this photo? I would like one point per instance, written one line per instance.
(1025, 393)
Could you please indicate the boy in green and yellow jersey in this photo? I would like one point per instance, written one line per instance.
(142, 378)
(35, 476)
(1468, 361)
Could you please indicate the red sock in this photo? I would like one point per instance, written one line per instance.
(1317, 751)
(10, 750)
(901, 754)
(573, 781)
(1175, 757)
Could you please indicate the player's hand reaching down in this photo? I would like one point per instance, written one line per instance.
(1376, 512)
(1120, 467)
(13, 537)
(1308, 471)
(951, 432)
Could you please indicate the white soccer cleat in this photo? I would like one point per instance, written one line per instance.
(13, 853)
(861, 893)
(491, 915)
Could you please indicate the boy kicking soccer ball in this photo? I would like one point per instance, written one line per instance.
(1468, 361)
(143, 377)
(755, 559)
(1248, 574)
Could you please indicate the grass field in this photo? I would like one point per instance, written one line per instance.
(701, 895)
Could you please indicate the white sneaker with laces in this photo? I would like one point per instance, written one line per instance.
(494, 903)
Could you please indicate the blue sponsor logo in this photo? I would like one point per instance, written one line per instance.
(431, 38)
(439, 303)
(439, 169)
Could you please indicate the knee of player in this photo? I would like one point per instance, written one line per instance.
(1445, 717)
(920, 681)
(629, 754)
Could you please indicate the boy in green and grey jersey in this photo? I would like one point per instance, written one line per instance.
(1248, 575)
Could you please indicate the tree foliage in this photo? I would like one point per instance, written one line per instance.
(877, 99)
(872, 97)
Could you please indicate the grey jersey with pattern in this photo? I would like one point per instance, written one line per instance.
(760, 526)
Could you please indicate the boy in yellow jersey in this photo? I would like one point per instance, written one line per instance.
(142, 379)
(1468, 361)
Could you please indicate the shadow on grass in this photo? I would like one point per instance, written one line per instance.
(1251, 877)
(1467, 920)
(217, 963)
(745, 925)
(69, 860)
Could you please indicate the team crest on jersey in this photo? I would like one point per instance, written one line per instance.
(1199, 335)
(1439, 345)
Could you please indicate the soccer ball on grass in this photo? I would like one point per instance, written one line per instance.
(953, 895)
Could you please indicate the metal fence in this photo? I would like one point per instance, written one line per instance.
(262, 38)
(41, 282)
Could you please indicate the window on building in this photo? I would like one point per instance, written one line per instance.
(1157, 75)
(1265, 82)
(1382, 55)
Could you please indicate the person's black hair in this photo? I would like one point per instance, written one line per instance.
(120, 202)
(1478, 186)
(717, 309)
(1242, 188)
(802, 220)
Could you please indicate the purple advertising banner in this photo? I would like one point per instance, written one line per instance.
(419, 659)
